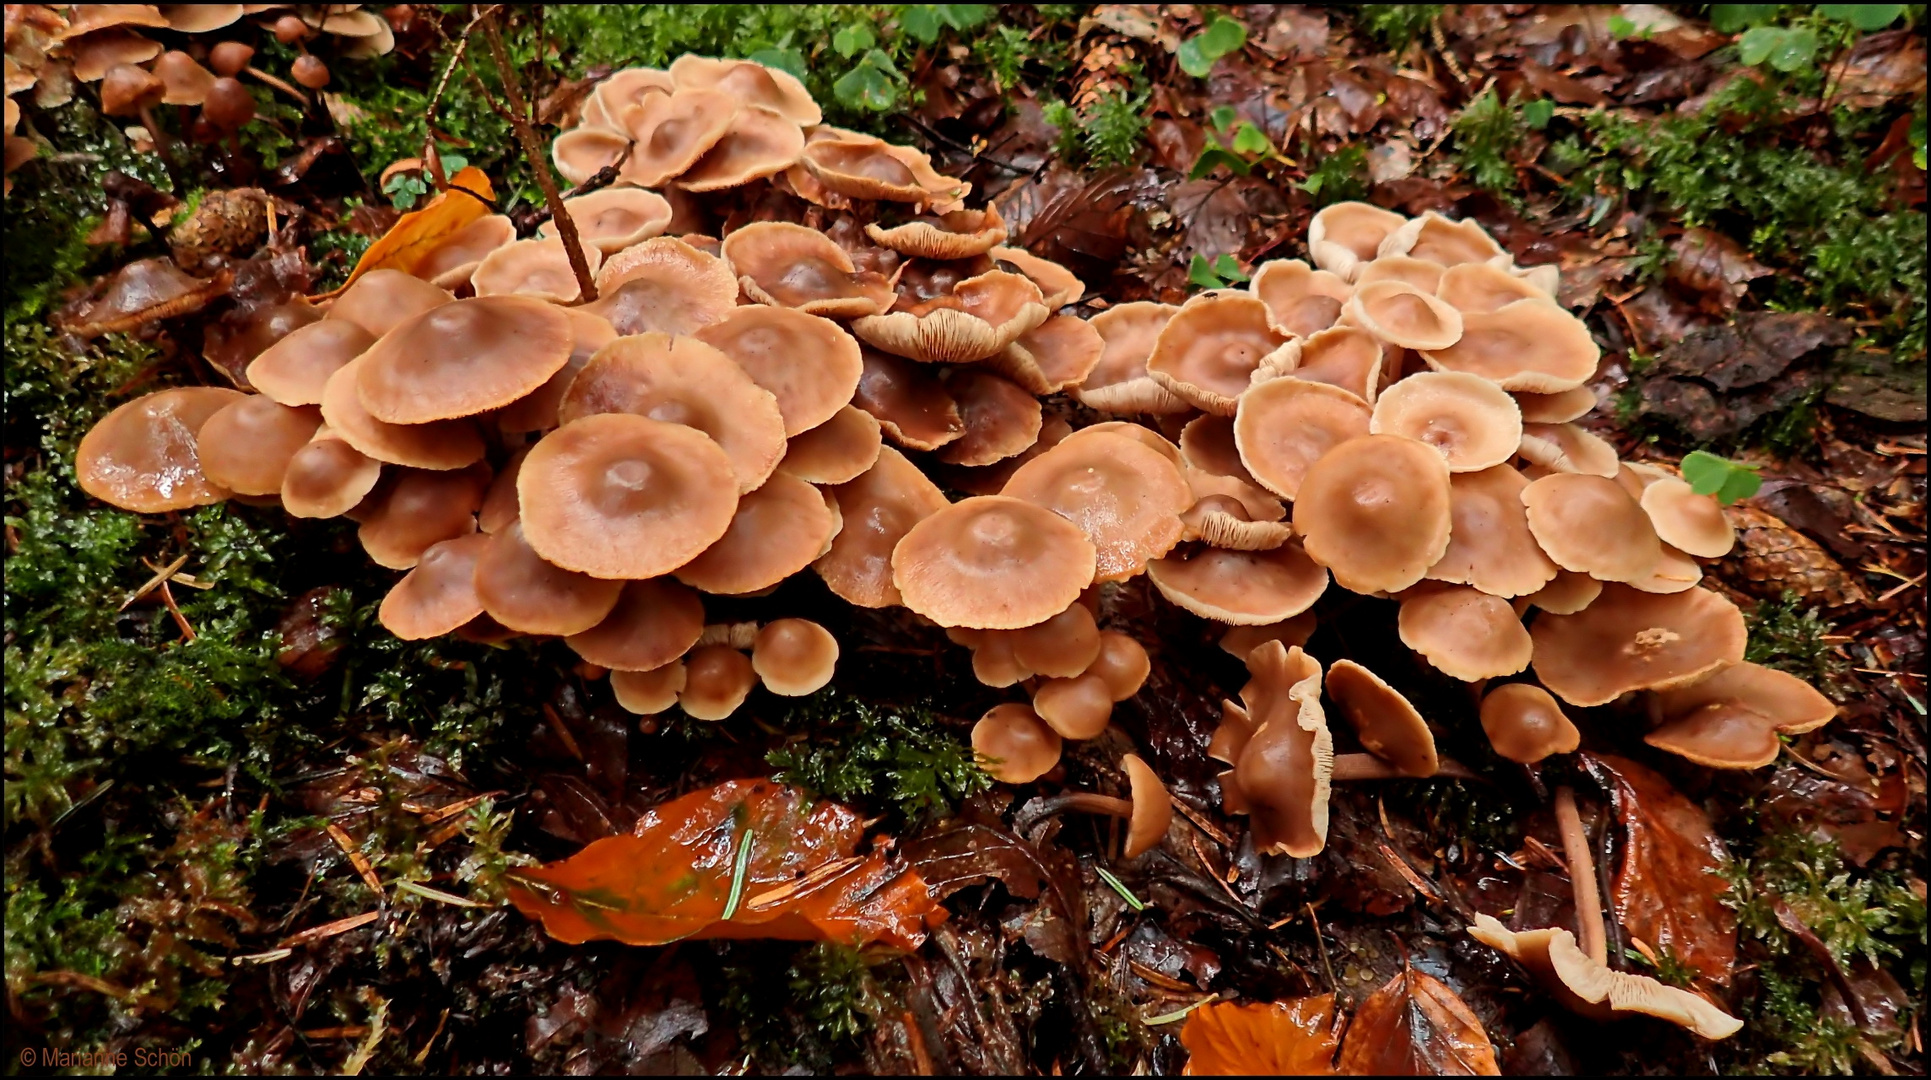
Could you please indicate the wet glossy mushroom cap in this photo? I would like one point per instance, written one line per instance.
(1283, 771)
(1222, 521)
(1470, 420)
(1208, 351)
(1119, 382)
(684, 381)
(327, 477)
(1440, 240)
(960, 234)
(246, 445)
(1057, 285)
(439, 594)
(1060, 647)
(1425, 276)
(758, 144)
(778, 530)
(614, 218)
(1241, 640)
(1051, 356)
(1464, 633)
(537, 410)
(794, 657)
(861, 167)
(186, 82)
(1300, 300)
(1568, 448)
(143, 456)
(1687, 521)
(1632, 640)
(127, 90)
(1786, 702)
(623, 496)
(670, 132)
(1122, 664)
(909, 400)
(1346, 357)
(414, 509)
(463, 358)
(1345, 235)
(836, 451)
(1558, 408)
(810, 364)
(1283, 426)
(992, 562)
(456, 258)
(525, 592)
(981, 316)
(1386, 723)
(1077, 708)
(1152, 810)
(664, 285)
(1528, 345)
(1375, 512)
(1489, 542)
(878, 509)
(717, 679)
(1584, 986)
(1524, 724)
(381, 299)
(1125, 497)
(748, 82)
(1484, 287)
(1001, 419)
(1399, 314)
(1589, 524)
(583, 152)
(1014, 745)
(652, 624)
(648, 693)
(536, 268)
(1567, 593)
(1243, 588)
(788, 265)
(294, 370)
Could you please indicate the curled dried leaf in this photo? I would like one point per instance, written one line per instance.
(1416, 1026)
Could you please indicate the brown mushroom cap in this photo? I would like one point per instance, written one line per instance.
(1424, 275)
(415, 508)
(581, 153)
(525, 592)
(1384, 720)
(749, 82)
(1375, 512)
(1241, 640)
(836, 451)
(537, 269)
(127, 90)
(621, 89)
(1208, 351)
(960, 234)
(438, 594)
(1568, 448)
(1343, 356)
(1485, 287)
(1558, 408)
(1672, 572)
(1525, 724)
(670, 132)
(1399, 314)
(1567, 593)
(614, 218)
(1465, 634)
(810, 364)
(684, 381)
(909, 400)
(1000, 418)
(245, 446)
(1590, 524)
(1786, 702)
(778, 530)
(1014, 745)
(143, 456)
(441, 444)
(1345, 235)
(1119, 382)
(381, 299)
(1470, 420)
(791, 266)
(794, 657)
(664, 285)
(647, 693)
(993, 662)
(992, 562)
(463, 358)
(861, 167)
(1057, 285)
(1489, 542)
(1632, 640)
(537, 410)
(1243, 588)
(1283, 426)
(1152, 810)
(652, 624)
(1210, 457)
(1060, 647)
(327, 477)
(978, 318)
(1440, 240)
(1691, 523)
(1125, 497)
(1590, 988)
(1122, 664)
(878, 509)
(456, 257)
(717, 679)
(1077, 708)
(294, 370)
(186, 82)
(1051, 356)
(1284, 769)
(758, 144)
(1719, 735)
(1301, 301)
(1528, 345)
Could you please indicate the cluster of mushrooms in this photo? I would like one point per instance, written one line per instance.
(1398, 417)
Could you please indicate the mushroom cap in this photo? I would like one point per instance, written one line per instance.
(1014, 745)
(1078, 708)
(1719, 735)
(245, 446)
(1152, 810)
(1126, 498)
(1141, 434)
(499, 502)
(1060, 647)
(665, 285)
(1058, 286)
(1384, 720)
(439, 444)
(981, 316)
(327, 477)
(1567, 593)
(647, 693)
(810, 364)
(1691, 523)
(1283, 426)
(1484, 287)
(1590, 524)
(1568, 448)
(1208, 351)
(1672, 572)
(537, 410)
(1400, 314)
(1343, 356)
(1122, 664)
(186, 82)
(621, 496)
(1229, 739)
(759, 143)
(1788, 703)
(1343, 236)
(836, 451)
(438, 594)
(1632, 640)
(127, 90)
(794, 657)
(294, 370)
(621, 89)
(1051, 356)
(1525, 724)
(1489, 542)
(1222, 521)
(749, 82)
(684, 381)
(1558, 408)
(909, 400)
(778, 530)
(525, 592)
(788, 265)
(992, 562)
(1241, 640)
(1528, 345)
(380, 300)
(583, 152)
(537, 269)
(1285, 767)
(1119, 382)
(1301, 301)
(878, 509)
(614, 218)
(1470, 420)
(717, 679)
(861, 167)
(1441, 240)
(993, 662)
(1000, 418)
(1375, 511)
(670, 132)
(652, 623)
(463, 358)
(1424, 275)
(415, 508)
(1242, 588)
(1465, 634)
(960, 234)
(1207, 444)
(143, 456)
(456, 257)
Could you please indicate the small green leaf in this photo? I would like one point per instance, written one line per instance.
(1214, 156)
(453, 163)
(1119, 886)
(1730, 18)
(1201, 273)
(1866, 17)
(1313, 184)
(866, 87)
(1537, 114)
(1620, 27)
(963, 16)
(1197, 54)
(1227, 268)
(787, 60)
(921, 23)
(1250, 140)
(1223, 117)
(1757, 44)
(1729, 481)
(1795, 51)
(853, 39)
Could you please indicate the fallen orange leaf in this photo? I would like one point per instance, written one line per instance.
(1282, 1038)
(673, 877)
(416, 234)
(1416, 1026)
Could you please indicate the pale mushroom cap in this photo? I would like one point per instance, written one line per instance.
(778, 530)
(717, 679)
(1208, 351)
(1014, 745)
(1345, 235)
(794, 657)
(1126, 498)
(1691, 523)
(537, 410)
(1386, 723)
(1489, 542)
(622, 496)
(198, 18)
(327, 477)
(1301, 301)
(1566, 593)
(861, 167)
(961, 234)
(1060, 647)
(1632, 640)
(440, 444)
(1344, 356)
(380, 299)
(1283, 426)
(614, 218)
(809, 364)
(1000, 417)
(1589, 524)
(664, 285)
(1525, 724)
(1400, 314)
(1152, 810)
(1285, 768)
(1465, 634)
(648, 693)
(1560, 407)
(1789, 703)
(1122, 663)
(1057, 284)
(749, 82)
(1441, 240)
(1528, 345)
(1375, 512)
(1719, 735)
(909, 401)
(992, 562)
(621, 89)
(1672, 572)
(438, 594)
(1051, 356)
(672, 131)
(1078, 708)
(245, 446)
(1568, 448)
(1473, 422)
(524, 592)
(836, 451)
(142, 456)
(652, 624)
(759, 143)
(99, 55)
(456, 257)
(536, 268)
(1424, 275)
(581, 153)
(791, 266)
(1241, 588)
(1483, 287)
(1119, 382)
(878, 509)
(460, 359)
(294, 370)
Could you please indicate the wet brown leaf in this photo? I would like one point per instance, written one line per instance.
(1713, 267)
(1282, 1038)
(1416, 1026)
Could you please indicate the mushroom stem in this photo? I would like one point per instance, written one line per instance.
(1089, 802)
(278, 84)
(1370, 767)
(1582, 876)
(163, 145)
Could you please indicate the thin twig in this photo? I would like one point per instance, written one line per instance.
(1582, 876)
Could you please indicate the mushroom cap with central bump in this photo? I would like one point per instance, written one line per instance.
(1208, 351)
(1374, 511)
(1242, 588)
(1465, 633)
(1632, 640)
(1425, 276)
(246, 445)
(1058, 286)
(616, 495)
(1589, 524)
(1525, 724)
(1126, 498)
(438, 594)
(794, 657)
(878, 509)
(1283, 426)
(1014, 745)
(992, 562)
(1400, 314)
(665, 285)
(778, 530)
(463, 358)
(143, 456)
(1119, 382)
(1528, 345)
(1489, 542)
(836, 451)
(1441, 240)
(1483, 287)
(614, 218)
(525, 592)
(1344, 237)
(810, 364)
(1473, 422)
(652, 624)
(1284, 770)
(439, 444)
(1301, 301)
(327, 477)
(1384, 720)
(788, 265)
(717, 679)
(294, 370)
(671, 131)
(1152, 810)
(380, 300)
(1691, 523)
(749, 82)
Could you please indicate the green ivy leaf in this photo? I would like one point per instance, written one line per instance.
(1796, 50)
(1729, 481)
(868, 85)
(1200, 272)
(1223, 117)
(1620, 27)
(1250, 140)
(453, 163)
(1214, 156)
(963, 16)
(787, 60)
(1221, 36)
(1730, 18)
(1227, 268)
(1866, 17)
(853, 39)
(921, 23)
(1537, 114)
(1758, 43)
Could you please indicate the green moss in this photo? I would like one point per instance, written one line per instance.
(1790, 637)
(1396, 26)
(883, 757)
(813, 1014)
(1487, 133)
